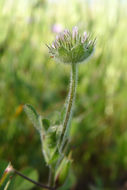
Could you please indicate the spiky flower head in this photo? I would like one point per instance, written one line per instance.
(71, 47)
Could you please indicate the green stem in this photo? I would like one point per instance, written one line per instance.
(69, 105)
(51, 177)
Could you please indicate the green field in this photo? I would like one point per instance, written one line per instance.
(29, 75)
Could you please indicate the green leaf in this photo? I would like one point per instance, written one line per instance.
(33, 116)
(47, 133)
(50, 149)
(55, 117)
(3, 165)
(62, 171)
(46, 123)
(69, 182)
(19, 183)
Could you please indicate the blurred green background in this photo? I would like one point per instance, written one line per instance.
(29, 75)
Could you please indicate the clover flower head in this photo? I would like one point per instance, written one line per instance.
(71, 47)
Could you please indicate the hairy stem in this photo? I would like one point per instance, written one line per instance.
(51, 177)
(69, 105)
(32, 181)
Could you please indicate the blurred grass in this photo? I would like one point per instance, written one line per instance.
(29, 75)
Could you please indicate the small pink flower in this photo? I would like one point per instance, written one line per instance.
(57, 28)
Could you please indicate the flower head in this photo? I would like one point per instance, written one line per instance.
(71, 47)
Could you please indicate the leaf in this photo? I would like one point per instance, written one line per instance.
(62, 171)
(50, 149)
(46, 123)
(47, 133)
(19, 183)
(33, 116)
(3, 165)
(55, 117)
(69, 182)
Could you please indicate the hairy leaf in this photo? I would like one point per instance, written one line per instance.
(50, 149)
(62, 170)
(46, 123)
(33, 116)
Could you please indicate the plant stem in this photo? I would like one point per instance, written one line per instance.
(69, 105)
(32, 181)
(51, 177)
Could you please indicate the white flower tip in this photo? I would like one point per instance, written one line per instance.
(66, 32)
(9, 168)
(74, 32)
(57, 37)
(53, 46)
(85, 35)
(75, 28)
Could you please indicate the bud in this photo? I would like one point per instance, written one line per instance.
(72, 47)
(84, 37)
(75, 32)
(5, 175)
(9, 168)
